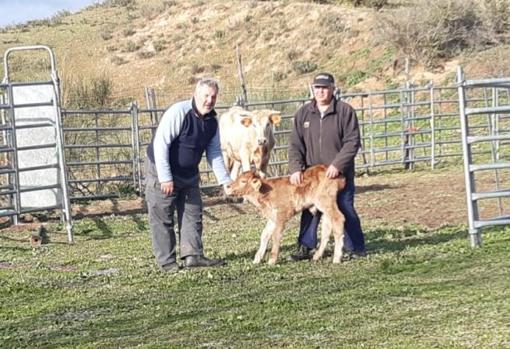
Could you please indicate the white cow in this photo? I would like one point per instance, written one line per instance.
(247, 138)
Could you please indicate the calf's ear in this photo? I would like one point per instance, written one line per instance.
(275, 118)
(256, 184)
(246, 121)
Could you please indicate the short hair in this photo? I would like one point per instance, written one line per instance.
(210, 82)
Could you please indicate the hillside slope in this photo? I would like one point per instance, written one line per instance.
(168, 44)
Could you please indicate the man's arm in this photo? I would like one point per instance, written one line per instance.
(350, 141)
(297, 149)
(168, 129)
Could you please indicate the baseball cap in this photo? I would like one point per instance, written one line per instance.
(323, 79)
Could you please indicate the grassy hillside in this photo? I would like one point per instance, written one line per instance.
(168, 44)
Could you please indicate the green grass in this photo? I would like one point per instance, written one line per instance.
(417, 289)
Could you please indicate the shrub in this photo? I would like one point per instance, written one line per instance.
(120, 3)
(151, 11)
(496, 16)
(117, 60)
(145, 54)
(128, 32)
(435, 29)
(88, 93)
(159, 45)
(303, 67)
(131, 46)
(106, 34)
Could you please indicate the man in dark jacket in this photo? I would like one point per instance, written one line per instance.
(186, 130)
(326, 132)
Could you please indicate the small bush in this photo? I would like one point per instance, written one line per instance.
(120, 3)
(106, 34)
(128, 32)
(496, 16)
(88, 93)
(159, 45)
(151, 11)
(131, 46)
(303, 67)
(436, 29)
(219, 34)
(145, 54)
(117, 60)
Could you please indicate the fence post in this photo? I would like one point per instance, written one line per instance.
(137, 183)
(432, 130)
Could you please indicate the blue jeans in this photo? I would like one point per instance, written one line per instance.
(354, 238)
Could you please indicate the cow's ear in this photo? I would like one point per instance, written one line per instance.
(256, 183)
(275, 119)
(246, 121)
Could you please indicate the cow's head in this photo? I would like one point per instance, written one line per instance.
(247, 183)
(264, 121)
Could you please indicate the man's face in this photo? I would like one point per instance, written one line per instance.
(205, 98)
(323, 94)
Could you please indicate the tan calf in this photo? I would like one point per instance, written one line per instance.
(278, 200)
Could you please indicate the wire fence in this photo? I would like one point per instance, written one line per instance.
(400, 129)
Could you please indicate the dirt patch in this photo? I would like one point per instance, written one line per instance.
(430, 199)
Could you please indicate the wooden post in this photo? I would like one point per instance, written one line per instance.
(240, 74)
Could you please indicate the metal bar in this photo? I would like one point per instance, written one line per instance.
(474, 233)
(499, 137)
(496, 221)
(491, 194)
(484, 167)
(486, 110)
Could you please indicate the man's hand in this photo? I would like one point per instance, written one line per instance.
(296, 178)
(225, 187)
(332, 172)
(167, 188)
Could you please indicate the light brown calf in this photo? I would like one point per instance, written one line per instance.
(278, 200)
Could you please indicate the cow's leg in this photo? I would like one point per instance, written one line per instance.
(227, 160)
(264, 239)
(325, 234)
(264, 164)
(236, 167)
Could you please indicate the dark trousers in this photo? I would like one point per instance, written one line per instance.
(355, 239)
(187, 201)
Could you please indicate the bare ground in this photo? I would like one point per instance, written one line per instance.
(427, 198)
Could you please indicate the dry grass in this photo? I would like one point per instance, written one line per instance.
(156, 42)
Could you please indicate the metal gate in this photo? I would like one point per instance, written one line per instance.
(32, 166)
(495, 136)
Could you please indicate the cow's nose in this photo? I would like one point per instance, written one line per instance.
(262, 141)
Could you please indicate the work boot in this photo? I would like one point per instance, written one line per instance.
(201, 261)
(170, 268)
(303, 253)
(357, 254)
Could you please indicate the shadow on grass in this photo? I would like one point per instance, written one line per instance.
(394, 240)
(372, 188)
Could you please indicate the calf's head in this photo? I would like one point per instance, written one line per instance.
(247, 183)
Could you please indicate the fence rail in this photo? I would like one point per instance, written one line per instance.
(400, 128)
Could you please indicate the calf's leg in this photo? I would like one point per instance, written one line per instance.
(264, 239)
(277, 238)
(325, 234)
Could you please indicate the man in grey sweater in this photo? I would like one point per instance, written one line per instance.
(186, 130)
